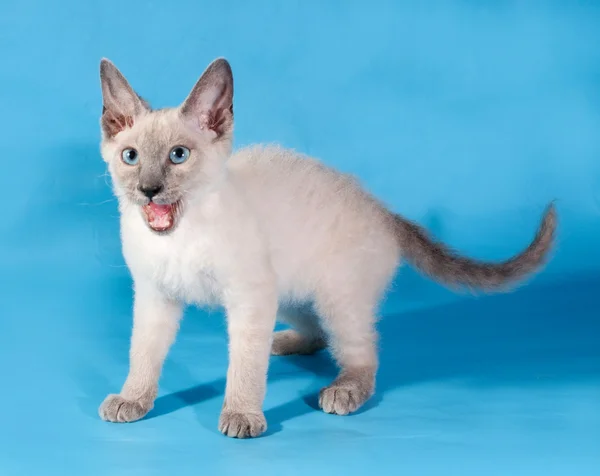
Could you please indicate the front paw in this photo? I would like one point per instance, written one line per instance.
(116, 409)
(242, 425)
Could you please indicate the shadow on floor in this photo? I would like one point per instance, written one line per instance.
(536, 336)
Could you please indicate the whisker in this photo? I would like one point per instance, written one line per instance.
(107, 178)
(86, 204)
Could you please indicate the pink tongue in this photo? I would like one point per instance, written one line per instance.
(160, 217)
(159, 210)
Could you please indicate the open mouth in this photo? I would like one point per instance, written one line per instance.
(161, 218)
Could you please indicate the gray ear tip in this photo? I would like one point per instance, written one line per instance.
(105, 65)
(221, 60)
(221, 64)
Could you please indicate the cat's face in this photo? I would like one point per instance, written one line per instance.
(161, 160)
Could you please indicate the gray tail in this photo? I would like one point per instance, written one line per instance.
(444, 265)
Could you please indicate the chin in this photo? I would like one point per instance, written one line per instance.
(162, 218)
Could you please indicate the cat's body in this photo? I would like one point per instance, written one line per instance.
(309, 222)
(263, 232)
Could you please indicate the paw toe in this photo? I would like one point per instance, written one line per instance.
(116, 409)
(242, 425)
(340, 400)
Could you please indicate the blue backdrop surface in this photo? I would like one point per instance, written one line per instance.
(466, 116)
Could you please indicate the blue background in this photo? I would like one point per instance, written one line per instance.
(465, 116)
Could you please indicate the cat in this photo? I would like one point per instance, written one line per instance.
(267, 233)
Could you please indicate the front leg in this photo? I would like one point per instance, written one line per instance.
(155, 324)
(250, 330)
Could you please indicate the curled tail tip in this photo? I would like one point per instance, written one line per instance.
(550, 212)
(549, 224)
(531, 260)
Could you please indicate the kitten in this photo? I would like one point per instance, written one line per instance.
(264, 232)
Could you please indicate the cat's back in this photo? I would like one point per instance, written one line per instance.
(277, 172)
(303, 203)
(272, 163)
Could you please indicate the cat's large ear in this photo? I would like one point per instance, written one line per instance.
(121, 105)
(210, 104)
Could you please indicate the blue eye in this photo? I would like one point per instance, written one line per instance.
(179, 154)
(130, 156)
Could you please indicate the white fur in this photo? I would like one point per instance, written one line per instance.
(280, 228)
(261, 230)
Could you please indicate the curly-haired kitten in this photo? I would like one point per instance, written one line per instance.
(264, 232)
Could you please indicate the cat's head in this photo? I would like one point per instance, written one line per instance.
(160, 160)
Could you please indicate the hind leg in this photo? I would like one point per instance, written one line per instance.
(306, 336)
(353, 341)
